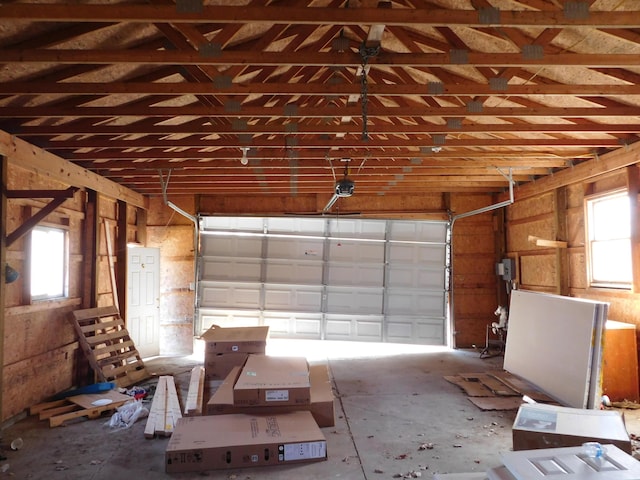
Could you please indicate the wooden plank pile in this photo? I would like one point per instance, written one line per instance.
(165, 409)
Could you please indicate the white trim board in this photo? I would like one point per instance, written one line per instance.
(555, 343)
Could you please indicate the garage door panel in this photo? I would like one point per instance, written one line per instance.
(418, 231)
(410, 276)
(412, 253)
(357, 228)
(419, 330)
(229, 318)
(352, 327)
(224, 246)
(241, 224)
(356, 274)
(299, 248)
(231, 296)
(355, 252)
(293, 298)
(280, 271)
(293, 325)
(407, 302)
(351, 300)
(231, 269)
(308, 226)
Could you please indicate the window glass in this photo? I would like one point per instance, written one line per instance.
(609, 227)
(48, 263)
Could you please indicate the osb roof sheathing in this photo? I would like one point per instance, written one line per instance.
(454, 96)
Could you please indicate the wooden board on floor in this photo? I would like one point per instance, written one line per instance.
(497, 390)
(91, 406)
(496, 403)
(491, 382)
(472, 389)
(195, 395)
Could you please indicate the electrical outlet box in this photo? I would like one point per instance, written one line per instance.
(505, 269)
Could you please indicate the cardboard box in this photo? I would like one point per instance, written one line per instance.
(218, 366)
(321, 406)
(235, 340)
(268, 380)
(549, 426)
(234, 441)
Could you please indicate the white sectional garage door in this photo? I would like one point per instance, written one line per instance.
(325, 278)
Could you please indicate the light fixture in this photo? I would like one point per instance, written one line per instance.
(244, 160)
(10, 274)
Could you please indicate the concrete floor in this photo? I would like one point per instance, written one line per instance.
(389, 403)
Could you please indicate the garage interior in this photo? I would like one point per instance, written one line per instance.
(374, 173)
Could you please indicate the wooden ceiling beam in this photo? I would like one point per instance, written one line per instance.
(311, 89)
(253, 133)
(321, 59)
(493, 160)
(315, 112)
(139, 13)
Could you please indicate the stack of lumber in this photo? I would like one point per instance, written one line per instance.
(165, 409)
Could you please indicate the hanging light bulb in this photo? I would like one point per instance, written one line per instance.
(244, 160)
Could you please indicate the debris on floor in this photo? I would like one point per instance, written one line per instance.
(497, 390)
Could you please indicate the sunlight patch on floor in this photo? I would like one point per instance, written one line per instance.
(315, 350)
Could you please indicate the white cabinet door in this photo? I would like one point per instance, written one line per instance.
(571, 463)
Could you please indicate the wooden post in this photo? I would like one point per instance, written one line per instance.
(633, 185)
(90, 251)
(562, 254)
(121, 257)
(3, 262)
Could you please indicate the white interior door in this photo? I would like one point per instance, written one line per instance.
(143, 299)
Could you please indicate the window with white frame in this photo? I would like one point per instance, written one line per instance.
(49, 263)
(609, 241)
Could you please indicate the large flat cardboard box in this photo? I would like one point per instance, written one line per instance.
(216, 442)
(266, 380)
(235, 340)
(321, 406)
(549, 426)
(218, 366)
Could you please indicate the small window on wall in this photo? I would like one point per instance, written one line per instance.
(49, 260)
(609, 241)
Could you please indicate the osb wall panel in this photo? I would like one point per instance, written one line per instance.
(577, 269)
(531, 207)
(159, 214)
(518, 238)
(575, 227)
(394, 204)
(31, 380)
(538, 271)
(475, 291)
(39, 345)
